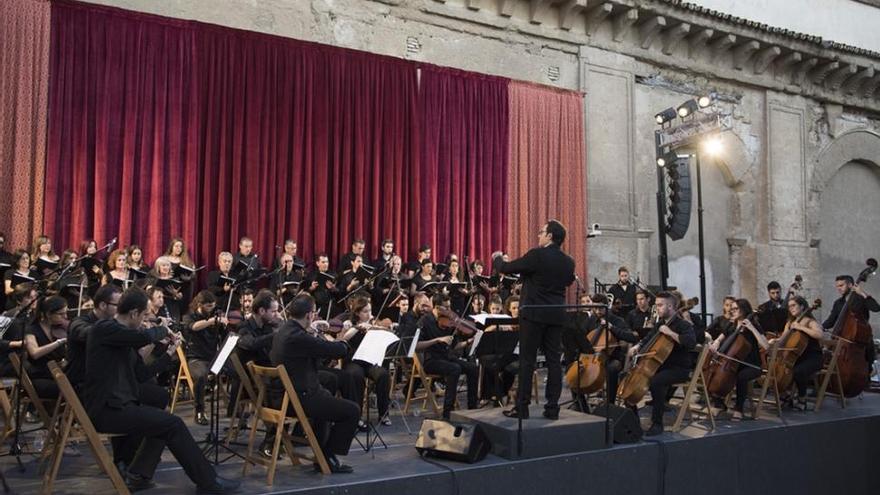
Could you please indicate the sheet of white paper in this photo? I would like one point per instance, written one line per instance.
(482, 317)
(477, 337)
(225, 351)
(372, 349)
(412, 347)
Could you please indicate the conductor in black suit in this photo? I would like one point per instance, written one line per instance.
(545, 272)
(111, 393)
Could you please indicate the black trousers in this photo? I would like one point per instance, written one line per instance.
(452, 369)
(548, 337)
(152, 430)
(804, 368)
(745, 375)
(199, 369)
(499, 372)
(334, 420)
(359, 372)
(125, 448)
(660, 384)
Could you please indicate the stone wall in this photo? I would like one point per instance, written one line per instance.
(796, 119)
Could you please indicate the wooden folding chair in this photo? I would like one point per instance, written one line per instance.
(418, 371)
(262, 376)
(695, 385)
(769, 381)
(183, 374)
(244, 398)
(30, 391)
(6, 401)
(830, 372)
(73, 412)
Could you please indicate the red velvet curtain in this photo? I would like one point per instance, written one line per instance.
(161, 128)
(464, 159)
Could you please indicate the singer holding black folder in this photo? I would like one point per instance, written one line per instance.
(545, 272)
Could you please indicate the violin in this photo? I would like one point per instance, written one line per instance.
(448, 318)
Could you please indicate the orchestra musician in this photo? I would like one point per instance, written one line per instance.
(43, 251)
(290, 247)
(162, 276)
(415, 266)
(111, 399)
(624, 292)
(12, 339)
(202, 332)
(861, 304)
(742, 321)
(773, 313)
(286, 283)
(46, 341)
(546, 272)
(677, 366)
(385, 254)
(811, 360)
(116, 271)
(355, 328)
(301, 352)
(724, 323)
(499, 370)
(441, 356)
(105, 302)
(220, 281)
(639, 318)
(320, 284)
(21, 268)
(135, 257)
(347, 260)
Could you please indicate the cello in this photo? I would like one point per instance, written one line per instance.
(790, 350)
(635, 384)
(855, 336)
(721, 370)
(587, 374)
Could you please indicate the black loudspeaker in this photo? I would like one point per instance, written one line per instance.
(624, 423)
(457, 442)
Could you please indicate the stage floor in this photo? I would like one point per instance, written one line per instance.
(786, 455)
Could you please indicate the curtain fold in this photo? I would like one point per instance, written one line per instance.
(547, 172)
(24, 82)
(464, 162)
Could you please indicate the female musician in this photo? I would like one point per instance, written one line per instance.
(94, 272)
(478, 304)
(811, 360)
(499, 370)
(725, 323)
(43, 250)
(135, 258)
(117, 269)
(69, 285)
(743, 322)
(202, 332)
(459, 296)
(177, 253)
(425, 275)
(162, 270)
(45, 341)
(355, 328)
(22, 267)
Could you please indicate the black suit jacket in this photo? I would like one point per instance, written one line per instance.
(302, 354)
(77, 333)
(545, 273)
(111, 358)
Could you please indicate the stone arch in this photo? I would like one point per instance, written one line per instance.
(854, 146)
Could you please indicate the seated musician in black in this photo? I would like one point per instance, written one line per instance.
(499, 370)
(639, 319)
(255, 336)
(617, 328)
(677, 366)
(202, 331)
(12, 340)
(111, 399)
(723, 323)
(861, 304)
(440, 357)
(45, 341)
(355, 329)
(302, 353)
(744, 322)
(811, 360)
(106, 299)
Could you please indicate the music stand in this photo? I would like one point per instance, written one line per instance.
(213, 443)
(498, 342)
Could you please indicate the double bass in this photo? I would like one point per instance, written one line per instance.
(790, 350)
(855, 336)
(637, 380)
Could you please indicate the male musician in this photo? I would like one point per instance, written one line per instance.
(111, 399)
(353, 279)
(387, 289)
(861, 303)
(290, 248)
(415, 266)
(546, 272)
(320, 284)
(440, 355)
(246, 263)
(220, 281)
(623, 291)
(773, 313)
(301, 353)
(106, 300)
(639, 319)
(385, 255)
(677, 366)
(202, 330)
(255, 336)
(357, 249)
(286, 283)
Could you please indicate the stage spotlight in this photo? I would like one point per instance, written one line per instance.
(712, 146)
(665, 116)
(705, 100)
(688, 108)
(666, 159)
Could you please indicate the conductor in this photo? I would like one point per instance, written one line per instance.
(546, 272)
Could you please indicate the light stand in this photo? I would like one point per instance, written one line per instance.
(702, 253)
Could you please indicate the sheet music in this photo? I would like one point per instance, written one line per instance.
(225, 351)
(477, 337)
(412, 347)
(374, 346)
(482, 317)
